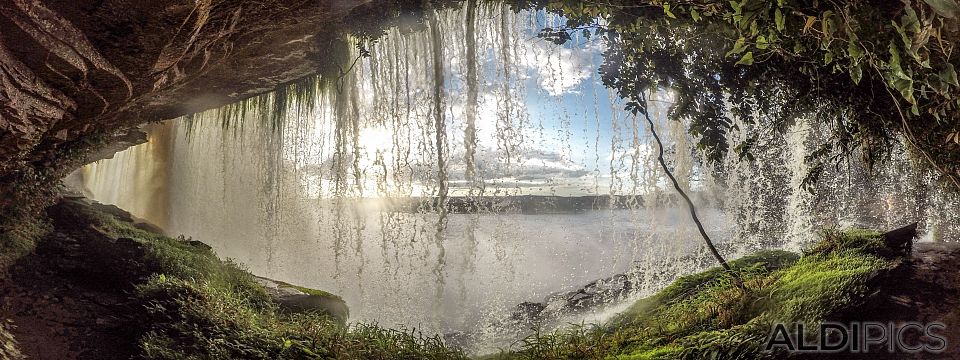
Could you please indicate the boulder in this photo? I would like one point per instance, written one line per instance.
(900, 241)
(527, 313)
(298, 299)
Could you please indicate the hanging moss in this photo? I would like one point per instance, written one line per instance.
(269, 110)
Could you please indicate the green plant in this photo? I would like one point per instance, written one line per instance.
(867, 241)
(718, 314)
(21, 238)
(183, 259)
(869, 71)
(197, 306)
(820, 284)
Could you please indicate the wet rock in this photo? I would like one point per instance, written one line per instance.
(596, 295)
(527, 313)
(458, 339)
(900, 241)
(199, 244)
(292, 299)
(117, 143)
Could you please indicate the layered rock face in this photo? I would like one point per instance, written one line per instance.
(72, 71)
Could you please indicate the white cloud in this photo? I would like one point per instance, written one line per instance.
(558, 69)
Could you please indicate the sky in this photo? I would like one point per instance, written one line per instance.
(565, 134)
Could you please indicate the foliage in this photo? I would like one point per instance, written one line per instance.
(190, 319)
(576, 342)
(710, 316)
(820, 284)
(184, 260)
(869, 70)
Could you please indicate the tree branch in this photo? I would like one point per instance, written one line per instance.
(676, 185)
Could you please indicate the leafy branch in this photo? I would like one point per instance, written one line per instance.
(736, 64)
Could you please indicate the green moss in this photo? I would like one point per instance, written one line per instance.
(863, 240)
(642, 314)
(197, 306)
(21, 238)
(818, 285)
(309, 291)
(709, 315)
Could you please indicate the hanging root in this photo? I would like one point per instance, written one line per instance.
(676, 185)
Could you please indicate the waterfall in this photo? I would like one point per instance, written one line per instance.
(397, 180)
(144, 170)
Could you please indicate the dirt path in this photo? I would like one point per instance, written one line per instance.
(925, 289)
(61, 304)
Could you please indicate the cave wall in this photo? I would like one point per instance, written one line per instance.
(76, 75)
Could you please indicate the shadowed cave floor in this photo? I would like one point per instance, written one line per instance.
(66, 300)
(924, 288)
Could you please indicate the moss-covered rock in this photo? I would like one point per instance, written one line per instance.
(299, 299)
(717, 314)
(863, 240)
(190, 304)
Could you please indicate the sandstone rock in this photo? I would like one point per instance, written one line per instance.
(79, 75)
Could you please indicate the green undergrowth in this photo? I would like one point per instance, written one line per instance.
(727, 315)
(178, 259)
(21, 239)
(197, 306)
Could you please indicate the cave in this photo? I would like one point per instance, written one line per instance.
(457, 179)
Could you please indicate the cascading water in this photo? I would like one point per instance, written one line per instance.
(398, 182)
(143, 170)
